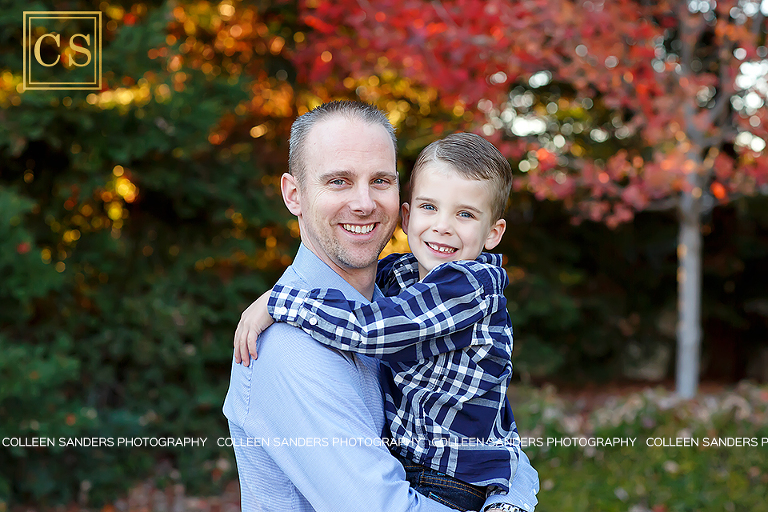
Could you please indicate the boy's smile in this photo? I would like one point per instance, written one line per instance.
(449, 217)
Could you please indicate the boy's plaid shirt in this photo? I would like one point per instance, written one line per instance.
(446, 345)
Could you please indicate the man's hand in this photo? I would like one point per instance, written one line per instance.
(254, 320)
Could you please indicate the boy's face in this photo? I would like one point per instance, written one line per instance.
(449, 217)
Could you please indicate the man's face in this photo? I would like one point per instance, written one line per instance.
(349, 196)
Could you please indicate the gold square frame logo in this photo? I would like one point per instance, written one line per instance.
(32, 51)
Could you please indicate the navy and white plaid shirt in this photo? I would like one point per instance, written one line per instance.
(447, 343)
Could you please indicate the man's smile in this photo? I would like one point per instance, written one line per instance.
(358, 229)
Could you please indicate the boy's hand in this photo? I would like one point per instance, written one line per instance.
(254, 320)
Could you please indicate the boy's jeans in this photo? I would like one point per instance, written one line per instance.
(441, 487)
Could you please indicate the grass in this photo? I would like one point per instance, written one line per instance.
(638, 478)
(644, 478)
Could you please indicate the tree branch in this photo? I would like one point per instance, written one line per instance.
(668, 203)
(757, 23)
(443, 13)
(364, 5)
(719, 108)
(725, 86)
(688, 37)
(726, 134)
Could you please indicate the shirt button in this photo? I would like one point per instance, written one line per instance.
(313, 321)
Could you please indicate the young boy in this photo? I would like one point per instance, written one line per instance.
(443, 334)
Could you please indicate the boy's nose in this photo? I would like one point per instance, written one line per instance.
(442, 225)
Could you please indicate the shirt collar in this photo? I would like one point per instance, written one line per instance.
(317, 274)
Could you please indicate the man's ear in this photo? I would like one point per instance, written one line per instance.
(291, 195)
(405, 214)
(497, 231)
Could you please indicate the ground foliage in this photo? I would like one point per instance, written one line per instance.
(643, 478)
(638, 478)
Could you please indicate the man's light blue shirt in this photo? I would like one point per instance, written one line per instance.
(306, 421)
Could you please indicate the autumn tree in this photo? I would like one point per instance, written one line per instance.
(138, 221)
(680, 84)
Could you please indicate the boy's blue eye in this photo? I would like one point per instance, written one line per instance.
(466, 215)
(428, 207)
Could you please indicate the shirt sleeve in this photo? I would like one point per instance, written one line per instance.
(306, 400)
(414, 325)
(385, 271)
(523, 488)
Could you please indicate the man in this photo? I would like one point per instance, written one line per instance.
(307, 420)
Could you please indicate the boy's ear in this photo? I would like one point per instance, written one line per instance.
(497, 231)
(405, 213)
(290, 191)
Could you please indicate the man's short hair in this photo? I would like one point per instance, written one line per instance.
(472, 157)
(352, 110)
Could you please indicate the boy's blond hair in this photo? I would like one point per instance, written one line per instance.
(475, 158)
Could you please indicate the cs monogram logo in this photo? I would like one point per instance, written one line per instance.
(52, 58)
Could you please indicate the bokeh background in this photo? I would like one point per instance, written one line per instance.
(138, 221)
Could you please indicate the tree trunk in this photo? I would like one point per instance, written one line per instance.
(689, 293)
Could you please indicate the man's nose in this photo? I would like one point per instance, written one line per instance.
(362, 202)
